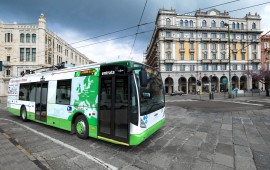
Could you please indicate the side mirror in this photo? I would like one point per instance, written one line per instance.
(143, 78)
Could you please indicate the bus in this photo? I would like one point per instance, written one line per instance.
(121, 102)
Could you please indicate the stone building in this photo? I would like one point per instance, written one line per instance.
(25, 47)
(187, 48)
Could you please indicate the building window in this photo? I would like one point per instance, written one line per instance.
(186, 23)
(168, 34)
(214, 56)
(213, 46)
(8, 37)
(253, 26)
(234, 36)
(238, 26)
(213, 35)
(242, 26)
(223, 56)
(168, 67)
(223, 66)
(33, 38)
(233, 25)
(22, 38)
(243, 56)
(168, 55)
(254, 66)
(182, 45)
(33, 54)
(168, 21)
(242, 36)
(243, 67)
(181, 35)
(203, 23)
(181, 23)
(222, 24)
(182, 56)
(63, 92)
(27, 58)
(223, 46)
(254, 46)
(191, 46)
(168, 45)
(254, 56)
(213, 23)
(234, 56)
(204, 46)
(191, 35)
(205, 67)
(192, 56)
(21, 54)
(192, 67)
(222, 35)
(214, 67)
(243, 46)
(234, 66)
(234, 46)
(205, 56)
(27, 38)
(191, 23)
(182, 67)
(204, 35)
(254, 37)
(8, 72)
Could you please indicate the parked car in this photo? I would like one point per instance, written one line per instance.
(177, 93)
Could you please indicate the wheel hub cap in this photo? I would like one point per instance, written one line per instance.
(80, 127)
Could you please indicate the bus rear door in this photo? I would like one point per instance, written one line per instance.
(41, 101)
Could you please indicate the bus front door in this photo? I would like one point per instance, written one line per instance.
(41, 101)
(113, 117)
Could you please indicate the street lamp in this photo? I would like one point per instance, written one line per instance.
(229, 83)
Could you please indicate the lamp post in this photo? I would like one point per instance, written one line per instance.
(229, 82)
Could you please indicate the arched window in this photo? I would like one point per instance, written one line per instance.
(33, 38)
(233, 25)
(191, 23)
(28, 38)
(186, 23)
(181, 23)
(238, 26)
(242, 26)
(222, 24)
(168, 21)
(203, 23)
(22, 38)
(253, 26)
(213, 23)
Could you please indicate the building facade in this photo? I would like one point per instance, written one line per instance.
(187, 48)
(265, 44)
(25, 47)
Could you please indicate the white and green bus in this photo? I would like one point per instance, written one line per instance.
(121, 102)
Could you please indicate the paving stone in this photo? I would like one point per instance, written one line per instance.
(224, 149)
(259, 147)
(226, 127)
(201, 165)
(244, 163)
(242, 151)
(223, 159)
(240, 140)
(225, 140)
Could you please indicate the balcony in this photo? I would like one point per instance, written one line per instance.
(234, 50)
(224, 61)
(192, 50)
(181, 50)
(243, 50)
(214, 50)
(169, 61)
(215, 61)
(256, 61)
(6, 63)
(206, 61)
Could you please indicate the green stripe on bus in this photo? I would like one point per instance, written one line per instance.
(15, 112)
(137, 139)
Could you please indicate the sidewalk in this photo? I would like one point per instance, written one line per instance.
(13, 156)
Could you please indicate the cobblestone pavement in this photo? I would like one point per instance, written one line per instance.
(190, 139)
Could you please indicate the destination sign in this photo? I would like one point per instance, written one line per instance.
(85, 73)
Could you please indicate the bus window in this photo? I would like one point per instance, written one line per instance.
(24, 92)
(134, 102)
(63, 92)
(32, 92)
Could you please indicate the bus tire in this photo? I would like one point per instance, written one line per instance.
(81, 127)
(23, 114)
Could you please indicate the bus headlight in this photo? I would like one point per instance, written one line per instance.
(143, 125)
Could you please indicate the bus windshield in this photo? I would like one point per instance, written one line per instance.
(152, 95)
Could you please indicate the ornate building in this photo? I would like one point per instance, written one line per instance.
(25, 47)
(187, 48)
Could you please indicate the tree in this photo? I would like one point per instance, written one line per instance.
(262, 76)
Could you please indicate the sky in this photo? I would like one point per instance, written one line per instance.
(83, 20)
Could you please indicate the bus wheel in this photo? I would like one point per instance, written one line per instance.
(23, 114)
(81, 127)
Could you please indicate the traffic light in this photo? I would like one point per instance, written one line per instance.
(199, 83)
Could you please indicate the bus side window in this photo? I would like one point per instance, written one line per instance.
(24, 92)
(63, 92)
